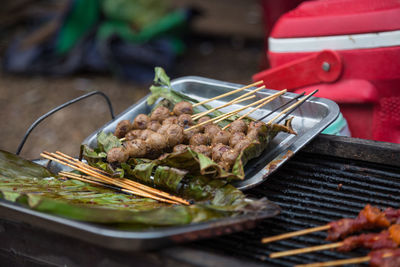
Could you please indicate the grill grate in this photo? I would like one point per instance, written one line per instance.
(307, 189)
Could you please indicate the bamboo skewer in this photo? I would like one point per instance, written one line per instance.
(337, 262)
(292, 106)
(227, 115)
(304, 250)
(90, 179)
(115, 181)
(251, 111)
(296, 233)
(79, 162)
(229, 93)
(265, 99)
(234, 101)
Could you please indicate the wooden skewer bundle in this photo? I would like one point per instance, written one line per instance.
(98, 176)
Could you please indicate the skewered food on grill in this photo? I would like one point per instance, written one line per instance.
(385, 258)
(369, 217)
(386, 239)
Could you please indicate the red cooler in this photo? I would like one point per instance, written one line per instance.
(350, 51)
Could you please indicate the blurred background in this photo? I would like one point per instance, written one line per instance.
(52, 51)
(55, 50)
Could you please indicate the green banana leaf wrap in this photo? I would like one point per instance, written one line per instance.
(32, 185)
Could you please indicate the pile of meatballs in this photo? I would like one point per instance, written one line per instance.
(164, 132)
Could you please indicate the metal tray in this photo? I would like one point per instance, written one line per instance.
(125, 240)
(309, 120)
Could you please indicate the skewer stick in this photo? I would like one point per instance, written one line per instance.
(269, 99)
(89, 179)
(292, 106)
(296, 233)
(251, 111)
(304, 250)
(227, 115)
(234, 101)
(337, 262)
(80, 162)
(229, 93)
(110, 180)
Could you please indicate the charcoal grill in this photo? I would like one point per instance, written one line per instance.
(331, 178)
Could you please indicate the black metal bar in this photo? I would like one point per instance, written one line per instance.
(54, 110)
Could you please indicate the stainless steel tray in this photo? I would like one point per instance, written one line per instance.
(309, 120)
(127, 240)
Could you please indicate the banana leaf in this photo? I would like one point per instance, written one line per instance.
(32, 185)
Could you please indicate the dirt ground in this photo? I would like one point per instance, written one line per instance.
(24, 99)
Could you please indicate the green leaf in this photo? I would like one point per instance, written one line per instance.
(106, 142)
(161, 77)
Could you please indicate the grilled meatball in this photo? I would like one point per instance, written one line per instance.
(189, 133)
(136, 148)
(253, 134)
(123, 127)
(204, 119)
(229, 157)
(205, 150)
(218, 150)
(153, 125)
(145, 134)
(255, 125)
(134, 134)
(221, 137)
(156, 142)
(185, 120)
(183, 107)
(170, 120)
(238, 126)
(180, 148)
(117, 154)
(236, 138)
(163, 129)
(160, 114)
(242, 145)
(141, 121)
(174, 135)
(199, 139)
(211, 130)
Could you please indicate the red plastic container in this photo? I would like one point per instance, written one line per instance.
(350, 51)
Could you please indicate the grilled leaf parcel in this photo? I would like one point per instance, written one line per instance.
(170, 138)
(32, 185)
